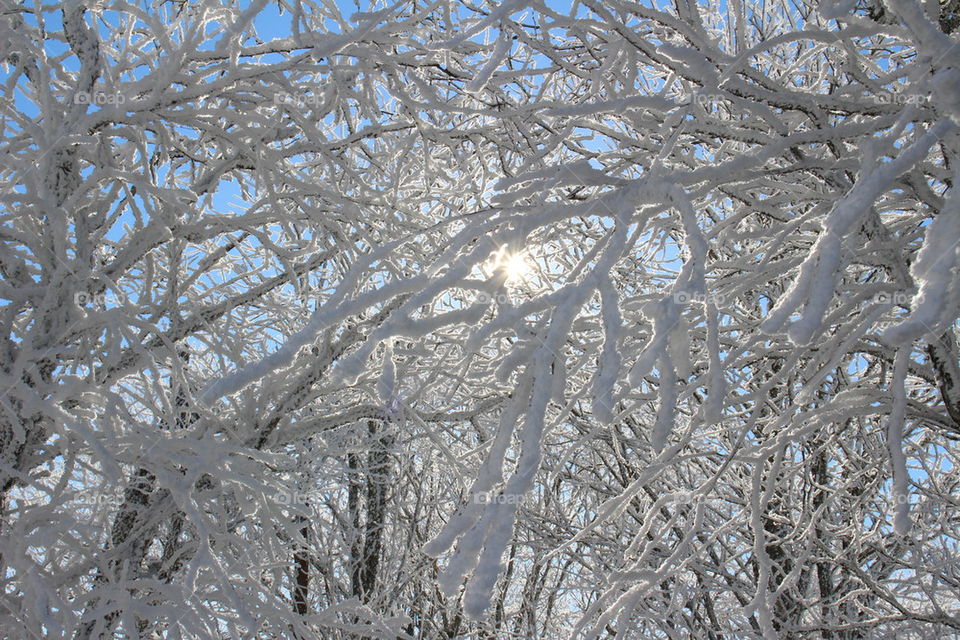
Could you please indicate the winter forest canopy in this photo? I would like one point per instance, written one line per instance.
(473, 319)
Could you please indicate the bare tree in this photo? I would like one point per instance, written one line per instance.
(626, 319)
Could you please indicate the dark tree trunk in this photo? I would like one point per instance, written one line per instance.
(373, 479)
(301, 570)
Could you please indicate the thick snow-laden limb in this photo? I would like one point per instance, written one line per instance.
(930, 38)
(479, 588)
(234, 29)
(322, 318)
(387, 385)
(500, 50)
(936, 273)
(666, 413)
(399, 322)
(717, 383)
(690, 285)
(335, 309)
(609, 365)
(486, 478)
(574, 173)
(487, 533)
(608, 369)
(499, 12)
(638, 581)
(814, 286)
(835, 9)
(895, 432)
(760, 494)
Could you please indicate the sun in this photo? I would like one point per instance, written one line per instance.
(515, 266)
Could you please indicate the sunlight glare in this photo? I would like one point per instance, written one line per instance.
(515, 266)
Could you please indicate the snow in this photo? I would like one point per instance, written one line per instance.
(814, 286)
(500, 51)
(608, 371)
(895, 433)
(936, 273)
(616, 312)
